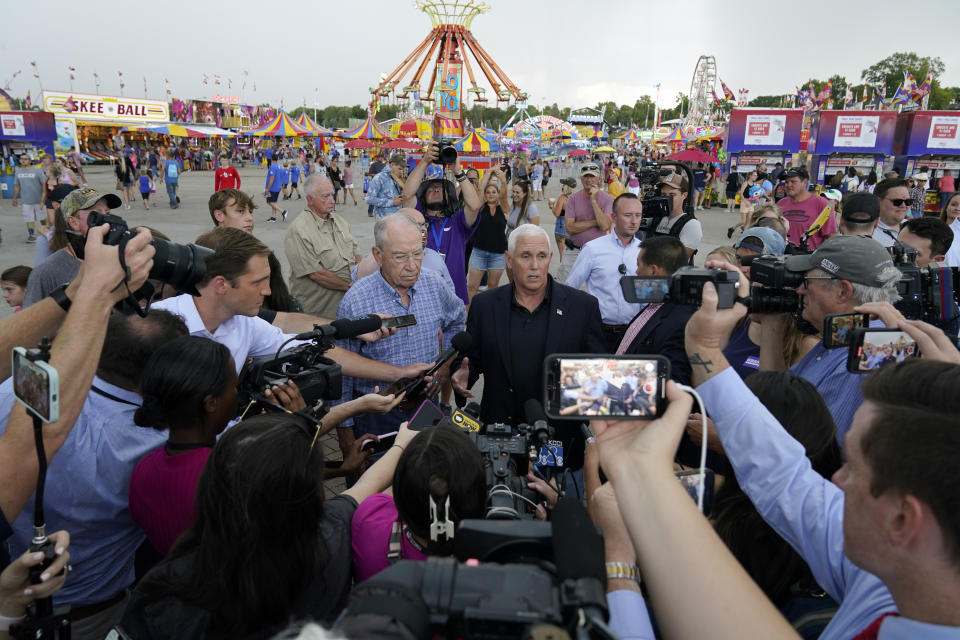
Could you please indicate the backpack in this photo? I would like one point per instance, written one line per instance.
(674, 230)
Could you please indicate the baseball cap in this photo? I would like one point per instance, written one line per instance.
(796, 172)
(85, 198)
(674, 180)
(861, 208)
(855, 258)
(60, 192)
(923, 175)
(833, 194)
(762, 239)
(569, 182)
(590, 169)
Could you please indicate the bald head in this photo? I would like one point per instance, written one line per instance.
(392, 226)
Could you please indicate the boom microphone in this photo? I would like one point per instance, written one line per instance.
(537, 419)
(458, 344)
(343, 328)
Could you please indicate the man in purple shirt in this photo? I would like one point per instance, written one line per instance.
(450, 226)
(588, 216)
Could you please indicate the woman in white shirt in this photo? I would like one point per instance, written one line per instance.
(951, 215)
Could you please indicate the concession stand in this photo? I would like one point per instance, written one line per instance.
(843, 139)
(23, 132)
(762, 136)
(928, 141)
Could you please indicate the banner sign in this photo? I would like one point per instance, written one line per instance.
(765, 130)
(856, 131)
(753, 129)
(448, 92)
(12, 125)
(944, 132)
(92, 107)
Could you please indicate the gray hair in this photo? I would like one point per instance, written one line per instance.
(380, 228)
(313, 181)
(526, 231)
(863, 293)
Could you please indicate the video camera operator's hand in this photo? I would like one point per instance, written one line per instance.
(431, 153)
(549, 490)
(626, 443)
(286, 395)
(16, 590)
(461, 378)
(101, 272)
(709, 327)
(932, 342)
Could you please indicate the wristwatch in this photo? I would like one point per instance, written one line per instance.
(461, 176)
(623, 571)
(59, 296)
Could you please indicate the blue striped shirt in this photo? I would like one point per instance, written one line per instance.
(435, 305)
(826, 369)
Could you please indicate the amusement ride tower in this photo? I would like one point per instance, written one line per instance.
(446, 47)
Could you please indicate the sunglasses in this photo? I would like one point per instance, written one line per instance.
(900, 202)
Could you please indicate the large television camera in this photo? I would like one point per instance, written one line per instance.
(779, 291)
(552, 584)
(657, 206)
(508, 454)
(930, 294)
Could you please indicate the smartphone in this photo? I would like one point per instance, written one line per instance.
(587, 387)
(838, 328)
(379, 446)
(873, 348)
(645, 288)
(36, 385)
(427, 415)
(398, 321)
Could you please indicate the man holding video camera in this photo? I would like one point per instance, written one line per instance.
(845, 272)
(449, 226)
(882, 538)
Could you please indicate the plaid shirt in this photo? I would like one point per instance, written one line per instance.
(436, 307)
(383, 189)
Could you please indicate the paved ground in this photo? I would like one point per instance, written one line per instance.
(192, 219)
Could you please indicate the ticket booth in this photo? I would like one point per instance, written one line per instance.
(23, 132)
(762, 136)
(928, 141)
(843, 139)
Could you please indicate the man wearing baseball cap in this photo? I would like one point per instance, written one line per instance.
(588, 216)
(804, 210)
(62, 266)
(758, 241)
(845, 272)
(860, 215)
(678, 223)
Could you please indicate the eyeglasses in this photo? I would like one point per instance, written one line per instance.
(899, 202)
(402, 258)
(806, 280)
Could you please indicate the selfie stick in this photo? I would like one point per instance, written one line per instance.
(43, 620)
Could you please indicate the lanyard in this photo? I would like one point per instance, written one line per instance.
(437, 239)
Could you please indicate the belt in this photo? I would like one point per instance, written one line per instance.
(616, 328)
(87, 610)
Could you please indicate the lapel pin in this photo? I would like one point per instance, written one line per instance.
(559, 312)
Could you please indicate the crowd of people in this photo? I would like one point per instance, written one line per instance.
(179, 514)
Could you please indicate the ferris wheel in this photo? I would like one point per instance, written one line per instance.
(700, 98)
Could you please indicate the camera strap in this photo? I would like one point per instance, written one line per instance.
(110, 396)
(395, 546)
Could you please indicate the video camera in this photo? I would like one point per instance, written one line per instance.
(928, 294)
(656, 205)
(685, 286)
(554, 585)
(779, 291)
(507, 457)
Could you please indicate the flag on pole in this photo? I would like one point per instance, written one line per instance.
(205, 79)
(144, 86)
(166, 83)
(26, 102)
(925, 87)
(216, 79)
(716, 100)
(726, 92)
(122, 85)
(36, 72)
(848, 98)
(72, 70)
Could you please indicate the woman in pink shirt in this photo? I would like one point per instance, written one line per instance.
(189, 387)
(441, 466)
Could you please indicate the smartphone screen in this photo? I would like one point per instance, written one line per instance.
(427, 415)
(874, 348)
(35, 384)
(645, 288)
(586, 387)
(838, 328)
(399, 321)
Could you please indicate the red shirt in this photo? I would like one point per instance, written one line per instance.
(226, 179)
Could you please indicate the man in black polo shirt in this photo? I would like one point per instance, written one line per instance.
(514, 327)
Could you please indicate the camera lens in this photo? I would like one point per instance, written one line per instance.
(447, 154)
(181, 266)
(763, 300)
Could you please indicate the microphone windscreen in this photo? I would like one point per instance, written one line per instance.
(353, 327)
(533, 411)
(577, 545)
(462, 341)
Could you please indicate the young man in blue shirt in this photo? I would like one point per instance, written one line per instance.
(272, 189)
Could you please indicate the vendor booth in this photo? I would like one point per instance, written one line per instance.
(23, 132)
(762, 136)
(928, 141)
(843, 139)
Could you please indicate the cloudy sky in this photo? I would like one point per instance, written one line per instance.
(573, 53)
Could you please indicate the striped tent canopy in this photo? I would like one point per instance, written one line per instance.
(182, 131)
(674, 136)
(631, 135)
(477, 142)
(369, 129)
(282, 125)
(308, 123)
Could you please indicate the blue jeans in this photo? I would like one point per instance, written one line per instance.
(172, 192)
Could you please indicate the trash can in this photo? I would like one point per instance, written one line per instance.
(6, 185)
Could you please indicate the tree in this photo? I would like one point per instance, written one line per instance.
(891, 69)
(768, 101)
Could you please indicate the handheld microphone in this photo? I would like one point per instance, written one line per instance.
(343, 328)
(416, 387)
(458, 344)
